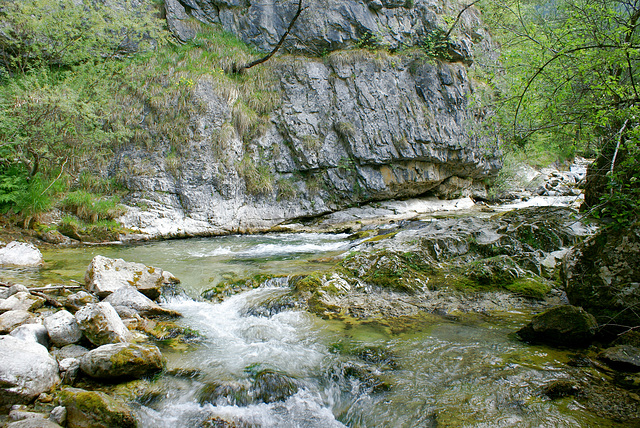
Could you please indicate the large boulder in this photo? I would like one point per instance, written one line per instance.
(566, 326)
(34, 423)
(122, 360)
(622, 357)
(602, 274)
(105, 275)
(101, 324)
(26, 370)
(130, 298)
(93, 409)
(63, 328)
(20, 254)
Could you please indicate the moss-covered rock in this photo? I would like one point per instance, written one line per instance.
(566, 326)
(122, 360)
(602, 275)
(93, 409)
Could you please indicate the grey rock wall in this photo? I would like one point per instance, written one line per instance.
(353, 126)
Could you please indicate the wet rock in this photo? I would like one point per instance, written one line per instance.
(26, 370)
(69, 369)
(33, 423)
(13, 289)
(70, 351)
(13, 319)
(101, 324)
(23, 301)
(602, 274)
(19, 415)
(93, 409)
(622, 357)
(270, 386)
(59, 415)
(63, 328)
(369, 377)
(224, 394)
(104, 276)
(129, 297)
(561, 388)
(568, 326)
(32, 333)
(78, 300)
(122, 360)
(20, 254)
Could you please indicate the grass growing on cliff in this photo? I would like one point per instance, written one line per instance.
(59, 126)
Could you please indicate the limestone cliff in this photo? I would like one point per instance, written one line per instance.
(353, 126)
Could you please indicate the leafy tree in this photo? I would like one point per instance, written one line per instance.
(568, 81)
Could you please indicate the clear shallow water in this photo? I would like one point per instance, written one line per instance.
(436, 373)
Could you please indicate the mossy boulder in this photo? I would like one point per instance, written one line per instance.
(122, 360)
(269, 386)
(602, 274)
(93, 409)
(565, 326)
(225, 393)
(622, 357)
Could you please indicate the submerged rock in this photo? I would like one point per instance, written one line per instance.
(122, 360)
(93, 409)
(101, 324)
(26, 370)
(20, 254)
(270, 386)
(568, 326)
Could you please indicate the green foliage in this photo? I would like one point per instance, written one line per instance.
(435, 44)
(66, 32)
(92, 208)
(258, 178)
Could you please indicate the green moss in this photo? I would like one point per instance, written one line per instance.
(382, 237)
(529, 287)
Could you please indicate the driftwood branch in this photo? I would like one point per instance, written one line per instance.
(241, 69)
(50, 300)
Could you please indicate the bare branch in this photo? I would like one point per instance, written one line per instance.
(242, 69)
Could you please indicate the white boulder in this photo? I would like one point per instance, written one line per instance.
(105, 275)
(63, 328)
(26, 370)
(20, 254)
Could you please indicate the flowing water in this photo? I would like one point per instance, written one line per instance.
(435, 372)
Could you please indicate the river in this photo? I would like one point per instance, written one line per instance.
(433, 372)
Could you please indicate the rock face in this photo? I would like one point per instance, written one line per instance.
(122, 360)
(602, 274)
(26, 370)
(325, 25)
(20, 254)
(561, 326)
(105, 275)
(101, 324)
(93, 409)
(351, 129)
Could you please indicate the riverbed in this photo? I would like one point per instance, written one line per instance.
(432, 371)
